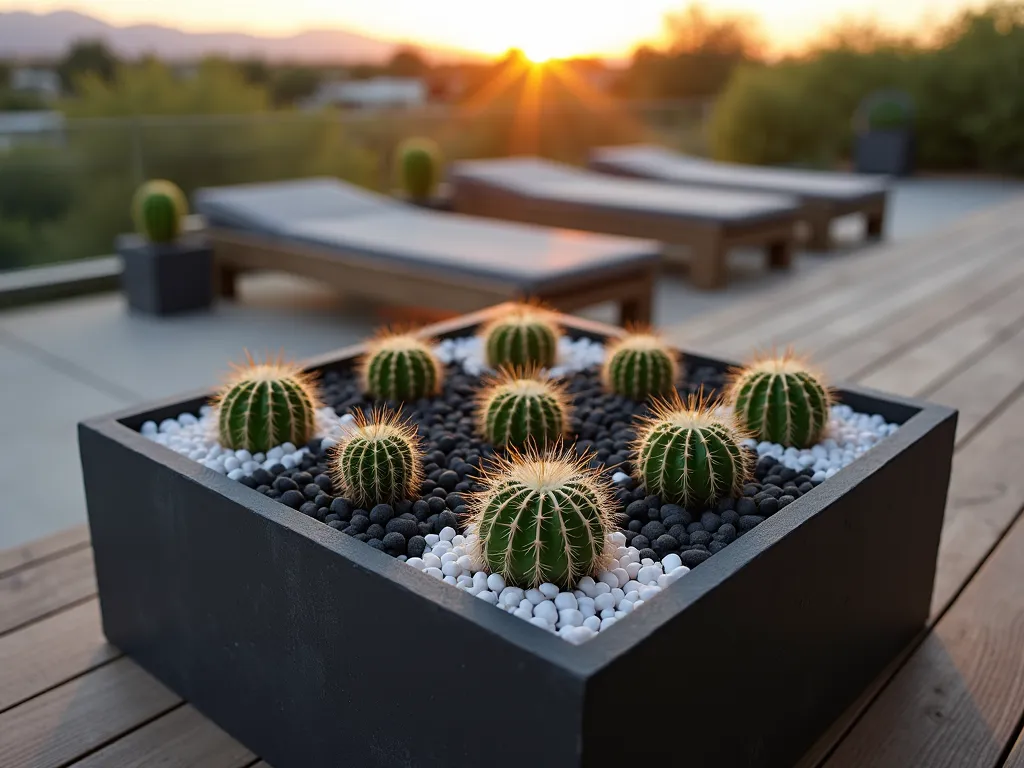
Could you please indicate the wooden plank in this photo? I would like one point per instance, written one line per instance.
(925, 366)
(57, 544)
(182, 738)
(817, 323)
(70, 721)
(51, 651)
(917, 321)
(986, 386)
(958, 700)
(37, 590)
(1016, 757)
(886, 261)
(986, 491)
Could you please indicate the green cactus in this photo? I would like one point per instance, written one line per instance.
(779, 399)
(400, 367)
(524, 336)
(519, 406)
(542, 518)
(418, 163)
(688, 455)
(266, 404)
(159, 208)
(378, 460)
(639, 365)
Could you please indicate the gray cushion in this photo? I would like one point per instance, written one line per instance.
(270, 207)
(543, 180)
(526, 256)
(652, 162)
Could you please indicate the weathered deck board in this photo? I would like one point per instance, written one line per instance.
(52, 651)
(69, 721)
(957, 701)
(1016, 757)
(36, 551)
(34, 591)
(182, 738)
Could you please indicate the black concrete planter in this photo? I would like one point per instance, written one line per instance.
(312, 648)
(166, 278)
(889, 152)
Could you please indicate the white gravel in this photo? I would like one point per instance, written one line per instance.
(596, 604)
(576, 616)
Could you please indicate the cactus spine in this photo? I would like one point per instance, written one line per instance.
(159, 208)
(779, 399)
(266, 404)
(525, 336)
(418, 163)
(400, 367)
(686, 454)
(378, 460)
(517, 407)
(638, 366)
(542, 518)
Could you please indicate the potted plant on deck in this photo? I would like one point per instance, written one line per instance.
(509, 539)
(418, 168)
(165, 270)
(884, 134)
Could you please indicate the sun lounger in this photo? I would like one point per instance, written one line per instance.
(367, 244)
(698, 225)
(825, 194)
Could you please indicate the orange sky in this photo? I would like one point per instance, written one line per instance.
(544, 28)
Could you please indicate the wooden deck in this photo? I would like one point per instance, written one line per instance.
(942, 317)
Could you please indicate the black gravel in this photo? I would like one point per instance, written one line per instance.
(603, 425)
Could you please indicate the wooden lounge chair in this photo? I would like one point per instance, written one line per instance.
(825, 194)
(376, 247)
(696, 225)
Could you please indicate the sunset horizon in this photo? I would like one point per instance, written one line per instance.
(532, 26)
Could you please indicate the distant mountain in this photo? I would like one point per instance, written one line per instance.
(49, 35)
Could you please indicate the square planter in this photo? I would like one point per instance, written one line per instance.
(166, 278)
(889, 152)
(313, 649)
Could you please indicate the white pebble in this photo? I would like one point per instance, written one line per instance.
(564, 600)
(539, 622)
(602, 588)
(570, 617)
(449, 580)
(149, 428)
(447, 533)
(607, 621)
(511, 596)
(236, 474)
(546, 611)
(431, 539)
(524, 613)
(593, 623)
(601, 602)
(621, 575)
(495, 582)
(535, 596)
(450, 568)
(608, 613)
(416, 562)
(646, 593)
(625, 607)
(435, 572)
(488, 596)
(617, 539)
(633, 569)
(610, 579)
(549, 590)
(430, 560)
(671, 562)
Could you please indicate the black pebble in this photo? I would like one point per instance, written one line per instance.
(749, 521)
(700, 537)
(447, 480)
(745, 506)
(381, 513)
(710, 521)
(282, 484)
(394, 543)
(648, 552)
(640, 541)
(447, 519)
(417, 545)
(407, 528)
(292, 498)
(653, 530)
(341, 508)
(785, 500)
(693, 557)
(360, 523)
(375, 531)
(665, 544)
(768, 507)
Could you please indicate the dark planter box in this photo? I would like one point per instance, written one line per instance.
(441, 200)
(313, 649)
(888, 152)
(166, 278)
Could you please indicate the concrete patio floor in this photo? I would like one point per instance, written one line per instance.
(75, 359)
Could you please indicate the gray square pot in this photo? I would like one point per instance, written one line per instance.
(166, 278)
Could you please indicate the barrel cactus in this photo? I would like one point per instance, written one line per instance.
(542, 517)
(639, 365)
(418, 163)
(377, 460)
(689, 454)
(400, 367)
(266, 404)
(524, 336)
(159, 208)
(519, 406)
(779, 399)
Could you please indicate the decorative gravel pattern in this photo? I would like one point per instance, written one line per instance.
(656, 544)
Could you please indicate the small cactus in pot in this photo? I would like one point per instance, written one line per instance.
(265, 404)
(418, 167)
(400, 367)
(159, 209)
(524, 336)
(519, 406)
(377, 460)
(542, 517)
(779, 398)
(639, 365)
(690, 453)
